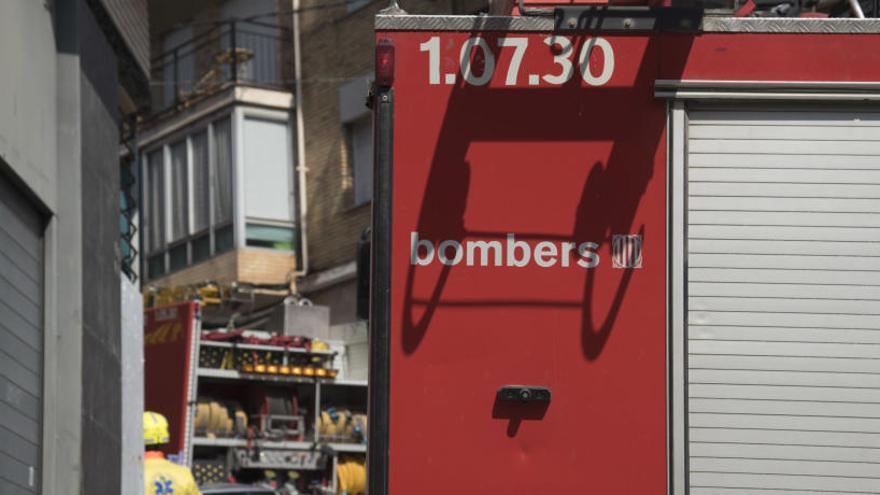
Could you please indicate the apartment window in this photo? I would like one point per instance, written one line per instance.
(201, 186)
(155, 196)
(192, 187)
(357, 126)
(223, 172)
(268, 184)
(156, 214)
(189, 184)
(178, 255)
(359, 141)
(201, 198)
(179, 187)
(270, 236)
(267, 170)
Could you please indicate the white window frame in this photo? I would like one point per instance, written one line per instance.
(240, 211)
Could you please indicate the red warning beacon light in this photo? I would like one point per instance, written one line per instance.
(384, 63)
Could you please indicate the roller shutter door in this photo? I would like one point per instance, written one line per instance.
(783, 301)
(21, 342)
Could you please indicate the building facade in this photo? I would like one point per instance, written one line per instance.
(337, 67)
(73, 69)
(216, 152)
(234, 190)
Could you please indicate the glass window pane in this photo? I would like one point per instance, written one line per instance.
(223, 239)
(156, 265)
(179, 203)
(177, 257)
(267, 170)
(223, 172)
(361, 152)
(201, 248)
(155, 200)
(200, 178)
(270, 236)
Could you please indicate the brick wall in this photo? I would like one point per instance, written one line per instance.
(338, 46)
(263, 266)
(221, 268)
(255, 266)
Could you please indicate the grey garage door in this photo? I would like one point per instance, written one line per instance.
(21, 342)
(783, 301)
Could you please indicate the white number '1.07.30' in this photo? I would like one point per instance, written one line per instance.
(562, 59)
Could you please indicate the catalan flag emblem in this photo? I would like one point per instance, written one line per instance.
(626, 251)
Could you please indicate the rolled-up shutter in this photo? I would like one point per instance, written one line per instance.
(783, 301)
(21, 342)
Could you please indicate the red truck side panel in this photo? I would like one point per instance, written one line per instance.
(554, 165)
(168, 334)
(771, 57)
(575, 173)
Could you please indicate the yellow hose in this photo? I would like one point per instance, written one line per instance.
(352, 478)
(342, 426)
(220, 419)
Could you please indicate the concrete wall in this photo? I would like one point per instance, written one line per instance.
(132, 351)
(342, 300)
(102, 369)
(32, 135)
(28, 110)
(59, 141)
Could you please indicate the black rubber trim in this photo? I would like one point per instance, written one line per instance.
(380, 294)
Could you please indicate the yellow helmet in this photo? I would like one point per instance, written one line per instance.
(155, 428)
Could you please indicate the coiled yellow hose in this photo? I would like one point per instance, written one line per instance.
(352, 477)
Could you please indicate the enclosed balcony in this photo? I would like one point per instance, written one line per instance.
(221, 55)
(218, 175)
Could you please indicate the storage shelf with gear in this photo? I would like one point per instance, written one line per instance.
(277, 401)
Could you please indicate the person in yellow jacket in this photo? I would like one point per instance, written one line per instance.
(161, 476)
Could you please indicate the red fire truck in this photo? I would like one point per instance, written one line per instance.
(625, 250)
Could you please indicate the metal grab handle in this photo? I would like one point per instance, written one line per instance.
(523, 393)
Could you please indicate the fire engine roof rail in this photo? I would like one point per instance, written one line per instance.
(471, 23)
(523, 10)
(617, 17)
(626, 18)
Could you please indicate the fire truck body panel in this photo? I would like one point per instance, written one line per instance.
(537, 198)
(559, 150)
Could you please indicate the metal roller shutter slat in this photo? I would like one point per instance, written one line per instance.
(783, 301)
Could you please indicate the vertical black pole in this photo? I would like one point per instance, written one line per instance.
(380, 294)
(233, 52)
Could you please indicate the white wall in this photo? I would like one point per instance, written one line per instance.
(132, 388)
